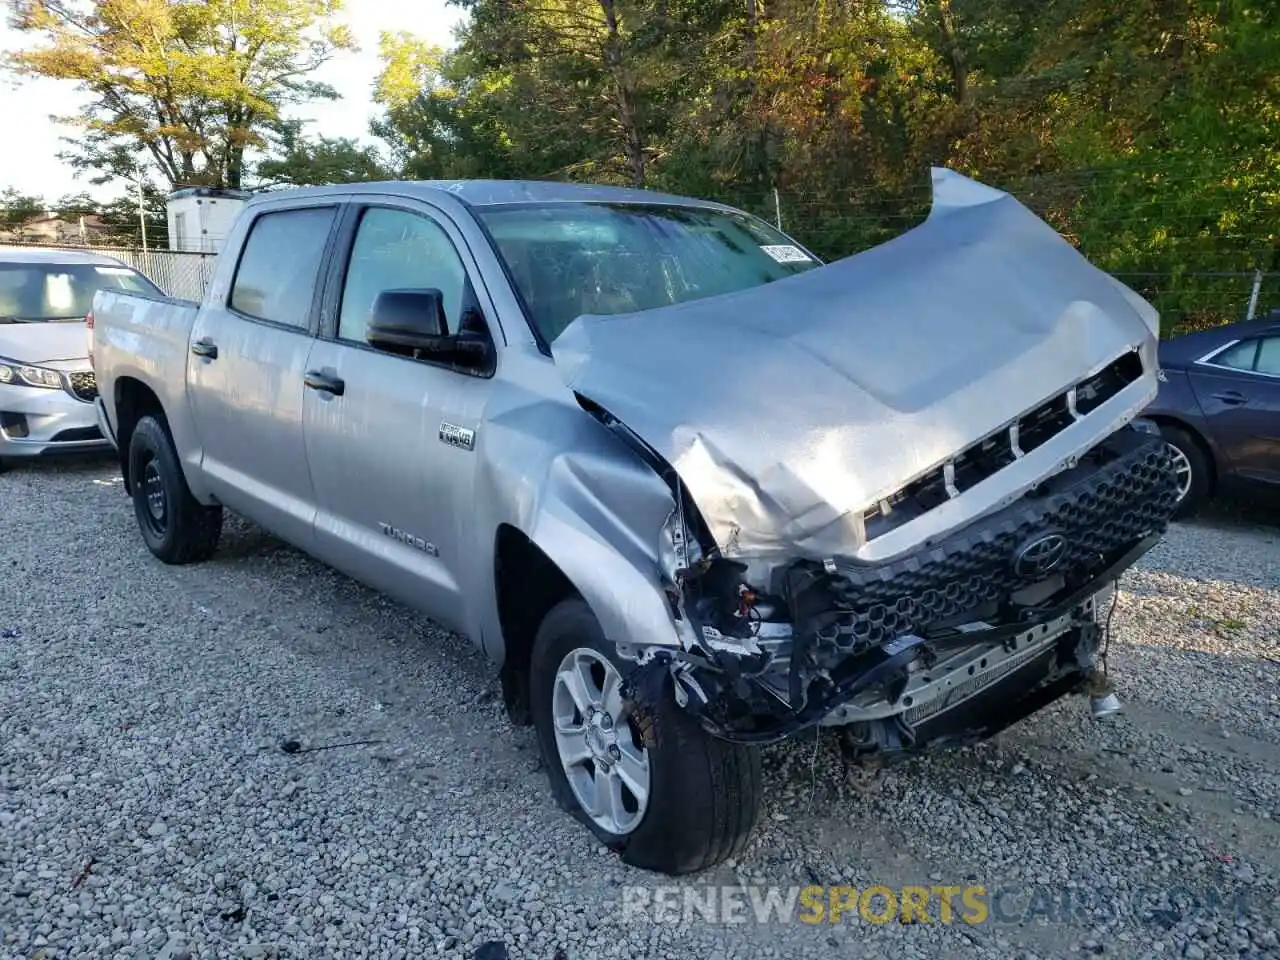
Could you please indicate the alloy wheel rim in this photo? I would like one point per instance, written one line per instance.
(600, 749)
(1182, 470)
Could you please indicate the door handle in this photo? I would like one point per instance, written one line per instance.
(205, 347)
(1232, 398)
(325, 382)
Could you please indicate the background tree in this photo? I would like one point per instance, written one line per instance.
(1147, 132)
(17, 208)
(194, 86)
(299, 161)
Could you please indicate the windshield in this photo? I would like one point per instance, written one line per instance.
(40, 292)
(571, 259)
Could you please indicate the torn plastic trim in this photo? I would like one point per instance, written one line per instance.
(1059, 452)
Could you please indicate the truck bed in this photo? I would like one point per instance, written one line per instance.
(146, 339)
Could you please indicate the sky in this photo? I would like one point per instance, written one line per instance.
(29, 162)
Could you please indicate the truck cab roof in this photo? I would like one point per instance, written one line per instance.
(478, 193)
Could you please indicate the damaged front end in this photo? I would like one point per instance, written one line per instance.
(949, 643)
(909, 536)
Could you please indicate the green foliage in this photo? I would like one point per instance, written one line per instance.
(300, 161)
(116, 221)
(192, 85)
(16, 208)
(1147, 132)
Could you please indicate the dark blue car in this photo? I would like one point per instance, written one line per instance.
(1219, 407)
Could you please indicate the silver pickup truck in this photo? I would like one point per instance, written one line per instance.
(691, 489)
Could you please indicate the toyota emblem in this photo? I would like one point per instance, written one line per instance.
(1040, 557)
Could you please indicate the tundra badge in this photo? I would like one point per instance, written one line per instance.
(408, 539)
(456, 436)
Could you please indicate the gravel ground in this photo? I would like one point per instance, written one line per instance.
(148, 810)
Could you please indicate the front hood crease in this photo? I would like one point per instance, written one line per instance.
(788, 409)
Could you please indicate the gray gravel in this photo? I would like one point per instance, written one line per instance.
(147, 808)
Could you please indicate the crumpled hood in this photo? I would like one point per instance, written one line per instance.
(790, 408)
(44, 342)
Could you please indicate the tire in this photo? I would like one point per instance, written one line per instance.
(4, 465)
(1190, 457)
(703, 793)
(175, 526)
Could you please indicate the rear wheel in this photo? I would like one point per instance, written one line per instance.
(1192, 468)
(175, 526)
(657, 788)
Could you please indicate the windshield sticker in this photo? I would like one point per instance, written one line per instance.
(115, 271)
(786, 253)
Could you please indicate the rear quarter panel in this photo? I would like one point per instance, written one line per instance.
(147, 339)
(1176, 400)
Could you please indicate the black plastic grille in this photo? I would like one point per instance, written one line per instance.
(83, 385)
(1108, 502)
(980, 460)
(76, 435)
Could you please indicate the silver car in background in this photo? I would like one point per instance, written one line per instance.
(47, 386)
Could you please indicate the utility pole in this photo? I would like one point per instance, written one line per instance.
(1253, 295)
(142, 213)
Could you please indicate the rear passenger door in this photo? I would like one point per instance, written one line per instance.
(393, 454)
(246, 367)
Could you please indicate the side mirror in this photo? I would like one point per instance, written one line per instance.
(407, 320)
(412, 323)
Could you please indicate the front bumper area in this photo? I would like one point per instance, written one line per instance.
(958, 639)
(1121, 491)
(43, 423)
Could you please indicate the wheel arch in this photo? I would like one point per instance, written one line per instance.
(527, 585)
(133, 400)
(562, 557)
(1198, 438)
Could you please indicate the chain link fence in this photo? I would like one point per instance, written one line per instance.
(178, 274)
(185, 275)
(1197, 300)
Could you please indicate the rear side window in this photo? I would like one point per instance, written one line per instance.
(1269, 356)
(1238, 357)
(276, 277)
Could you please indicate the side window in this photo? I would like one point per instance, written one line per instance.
(1238, 357)
(398, 250)
(277, 273)
(1269, 356)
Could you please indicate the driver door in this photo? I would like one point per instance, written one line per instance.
(394, 486)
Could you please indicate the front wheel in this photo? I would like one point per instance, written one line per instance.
(657, 788)
(175, 526)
